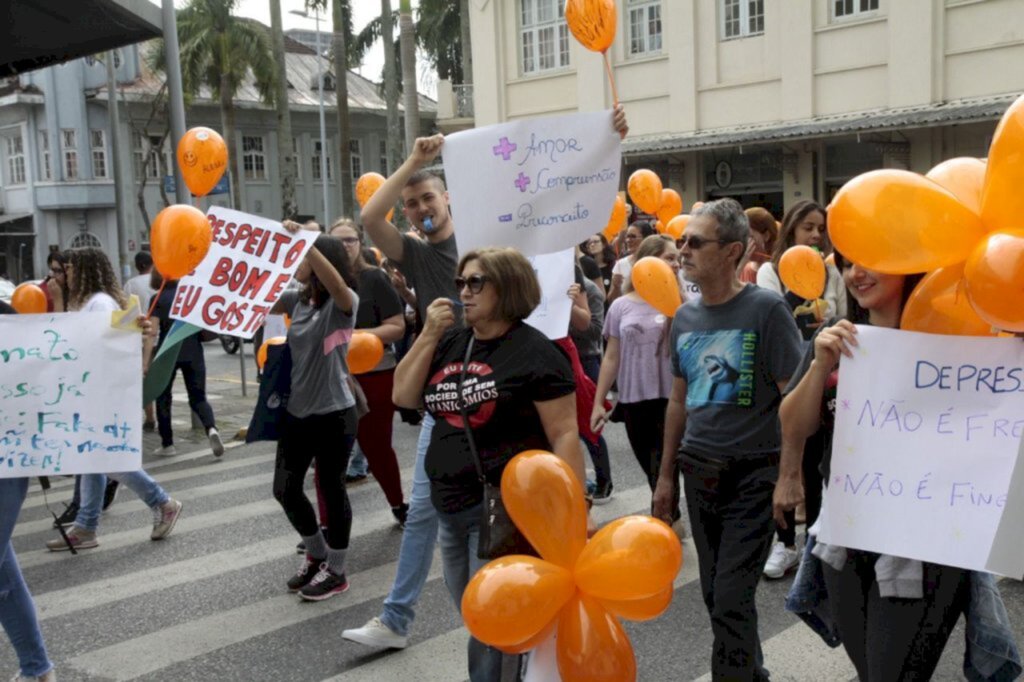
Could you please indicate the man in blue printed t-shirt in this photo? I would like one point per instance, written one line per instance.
(733, 352)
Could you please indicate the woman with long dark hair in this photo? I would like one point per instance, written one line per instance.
(320, 420)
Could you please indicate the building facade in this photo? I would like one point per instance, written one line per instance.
(765, 101)
(56, 164)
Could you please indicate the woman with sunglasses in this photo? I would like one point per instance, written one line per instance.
(635, 233)
(900, 635)
(636, 357)
(381, 313)
(518, 394)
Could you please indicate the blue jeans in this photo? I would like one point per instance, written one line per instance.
(460, 533)
(17, 610)
(417, 544)
(357, 465)
(93, 486)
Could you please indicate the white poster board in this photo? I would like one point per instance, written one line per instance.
(540, 184)
(249, 265)
(70, 395)
(927, 435)
(555, 272)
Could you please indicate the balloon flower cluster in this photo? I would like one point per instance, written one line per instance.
(576, 589)
(963, 223)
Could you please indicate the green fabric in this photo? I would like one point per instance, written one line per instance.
(162, 367)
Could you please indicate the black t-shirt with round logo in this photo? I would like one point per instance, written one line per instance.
(505, 377)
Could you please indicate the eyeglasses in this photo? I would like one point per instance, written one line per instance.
(696, 243)
(349, 241)
(56, 271)
(475, 282)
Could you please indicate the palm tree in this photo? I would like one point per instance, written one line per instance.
(387, 28)
(410, 99)
(342, 30)
(285, 143)
(218, 50)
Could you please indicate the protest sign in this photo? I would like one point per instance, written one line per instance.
(926, 438)
(70, 395)
(555, 272)
(250, 262)
(540, 184)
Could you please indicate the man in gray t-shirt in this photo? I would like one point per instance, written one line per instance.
(732, 354)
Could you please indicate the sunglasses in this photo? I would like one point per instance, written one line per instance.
(695, 243)
(475, 283)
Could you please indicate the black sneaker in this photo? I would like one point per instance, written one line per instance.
(305, 575)
(110, 494)
(603, 493)
(70, 512)
(401, 513)
(325, 585)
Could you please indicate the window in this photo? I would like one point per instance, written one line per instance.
(383, 150)
(355, 148)
(254, 163)
(850, 8)
(84, 240)
(741, 18)
(147, 148)
(70, 151)
(44, 154)
(317, 150)
(15, 148)
(98, 144)
(644, 27)
(296, 166)
(544, 36)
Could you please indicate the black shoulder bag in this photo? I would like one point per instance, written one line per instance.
(498, 534)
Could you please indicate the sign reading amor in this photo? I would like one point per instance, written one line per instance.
(250, 262)
(540, 184)
(928, 430)
(70, 395)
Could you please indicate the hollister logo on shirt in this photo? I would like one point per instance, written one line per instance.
(719, 366)
(478, 391)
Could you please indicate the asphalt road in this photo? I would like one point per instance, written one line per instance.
(210, 602)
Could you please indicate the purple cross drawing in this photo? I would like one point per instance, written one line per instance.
(846, 404)
(522, 182)
(504, 149)
(838, 480)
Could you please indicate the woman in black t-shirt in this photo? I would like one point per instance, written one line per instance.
(885, 637)
(519, 393)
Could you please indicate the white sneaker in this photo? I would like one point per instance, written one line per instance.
(166, 451)
(216, 443)
(375, 633)
(780, 561)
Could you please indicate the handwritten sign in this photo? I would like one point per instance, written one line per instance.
(540, 184)
(70, 395)
(555, 272)
(249, 265)
(926, 439)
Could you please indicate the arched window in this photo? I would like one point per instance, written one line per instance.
(85, 239)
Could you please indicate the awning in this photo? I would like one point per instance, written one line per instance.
(38, 33)
(13, 217)
(930, 115)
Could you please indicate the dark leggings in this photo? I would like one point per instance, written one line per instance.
(194, 374)
(887, 638)
(645, 429)
(598, 451)
(814, 448)
(327, 439)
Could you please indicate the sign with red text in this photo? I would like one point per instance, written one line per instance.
(249, 265)
(927, 436)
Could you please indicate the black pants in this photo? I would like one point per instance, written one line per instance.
(889, 638)
(645, 429)
(814, 448)
(194, 373)
(328, 439)
(730, 507)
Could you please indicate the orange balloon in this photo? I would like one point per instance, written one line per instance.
(939, 305)
(617, 220)
(640, 547)
(592, 22)
(28, 299)
(533, 642)
(671, 205)
(592, 646)
(645, 190)
(899, 222)
(179, 240)
(202, 158)
(995, 279)
(366, 187)
(1002, 202)
(659, 227)
(545, 500)
(261, 354)
(802, 270)
(514, 598)
(964, 176)
(641, 609)
(365, 351)
(677, 226)
(830, 259)
(654, 280)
